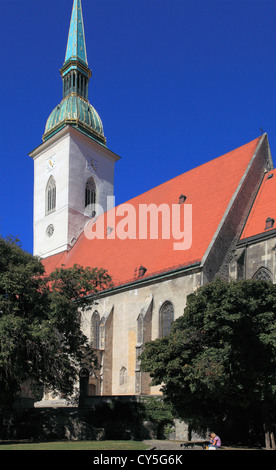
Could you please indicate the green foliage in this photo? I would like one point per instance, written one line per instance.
(155, 409)
(221, 353)
(122, 417)
(40, 335)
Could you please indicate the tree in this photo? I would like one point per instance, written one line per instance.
(221, 354)
(40, 333)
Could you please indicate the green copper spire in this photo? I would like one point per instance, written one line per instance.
(75, 109)
(76, 48)
(75, 72)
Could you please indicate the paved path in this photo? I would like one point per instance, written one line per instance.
(166, 445)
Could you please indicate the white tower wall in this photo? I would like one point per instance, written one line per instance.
(75, 158)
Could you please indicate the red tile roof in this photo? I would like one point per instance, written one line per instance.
(208, 188)
(264, 207)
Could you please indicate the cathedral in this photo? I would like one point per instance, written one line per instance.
(215, 220)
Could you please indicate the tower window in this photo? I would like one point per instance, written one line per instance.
(90, 196)
(51, 195)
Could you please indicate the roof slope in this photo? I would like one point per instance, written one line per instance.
(264, 207)
(208, 188)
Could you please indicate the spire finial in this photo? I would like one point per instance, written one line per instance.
(76, 48)
(75, 72)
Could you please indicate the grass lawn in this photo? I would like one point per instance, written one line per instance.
(76, 445)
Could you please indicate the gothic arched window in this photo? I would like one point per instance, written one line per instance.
(90, 196)
(95, 330)
(166, 317)
(51, 193)
(263, 274)
(102, 333)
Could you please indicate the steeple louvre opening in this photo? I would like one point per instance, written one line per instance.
(75, 82)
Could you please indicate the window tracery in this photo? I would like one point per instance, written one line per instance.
(95, 330)
(90, 196)
(263, 274)
(51, 195)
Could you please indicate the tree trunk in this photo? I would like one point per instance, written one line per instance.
(269, 438)
(272, 440)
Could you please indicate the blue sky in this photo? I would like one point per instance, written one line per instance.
(176, 83)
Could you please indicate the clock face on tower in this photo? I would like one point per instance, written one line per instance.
(92, 165)
(51, 163)
(50, 230)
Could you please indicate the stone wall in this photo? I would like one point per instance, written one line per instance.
(255, 258)
(121, 417)
(121, 312)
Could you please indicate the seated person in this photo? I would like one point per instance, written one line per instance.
(215, 442)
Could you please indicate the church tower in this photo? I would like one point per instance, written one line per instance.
(73, 168)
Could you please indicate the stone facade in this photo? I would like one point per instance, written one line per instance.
(121, 320)
(129, 319)
(131, 314)
(255, 258)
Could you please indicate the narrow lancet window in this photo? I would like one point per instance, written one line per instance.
(166, 318)
(95, 330)
(51, 195)
(90, 197)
